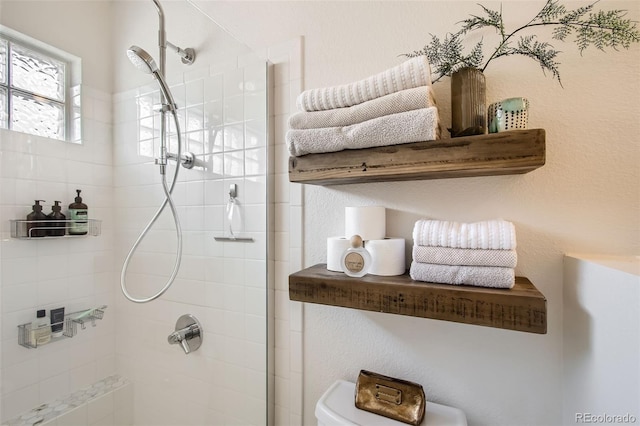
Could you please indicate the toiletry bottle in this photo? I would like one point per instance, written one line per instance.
(57, 322)
(40, 329)
(78, 214)
(356, 260)
(35, 228)
(57, 225)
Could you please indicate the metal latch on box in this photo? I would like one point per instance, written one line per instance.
(387, 394)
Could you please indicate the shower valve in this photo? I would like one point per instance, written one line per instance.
(188, 333)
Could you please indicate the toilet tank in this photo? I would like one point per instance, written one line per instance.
(337, 407)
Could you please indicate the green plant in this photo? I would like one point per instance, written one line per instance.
(600, 28)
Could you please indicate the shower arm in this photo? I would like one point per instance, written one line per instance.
(187, 55)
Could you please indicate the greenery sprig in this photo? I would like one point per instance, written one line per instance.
(601, 29)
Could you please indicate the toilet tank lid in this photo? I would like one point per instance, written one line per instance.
(337, 407)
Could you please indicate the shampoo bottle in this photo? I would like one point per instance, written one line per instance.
(78, 214)
(57, 322)
(36, 228)
(40, 329)
(57, 225)
(356, 260)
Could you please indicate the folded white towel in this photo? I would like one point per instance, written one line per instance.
(491, 234)
(412, 73)
(480, 276)
(404, 127)
(393, 103)
(465, 257)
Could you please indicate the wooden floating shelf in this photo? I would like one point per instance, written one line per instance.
(505, 153)
(521, 308)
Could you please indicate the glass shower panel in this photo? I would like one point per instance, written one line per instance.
(222, 283)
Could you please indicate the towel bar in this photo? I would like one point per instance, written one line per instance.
(234, 239)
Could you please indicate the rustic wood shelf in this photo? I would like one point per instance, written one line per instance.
(511, 152)
(521, 308)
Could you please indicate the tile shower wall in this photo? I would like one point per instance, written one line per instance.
(223, 117)
(76, 273)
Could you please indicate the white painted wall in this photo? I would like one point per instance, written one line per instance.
(58, 23)
(586, 198)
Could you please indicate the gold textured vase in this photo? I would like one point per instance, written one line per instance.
(468, 103)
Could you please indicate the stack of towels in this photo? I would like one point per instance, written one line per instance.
(389, 108)
(479, 254)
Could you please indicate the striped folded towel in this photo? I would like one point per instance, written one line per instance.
(479, 276)
(404, 127)
(492, 234)
(412, 73)
(465, 257)
(404, 100)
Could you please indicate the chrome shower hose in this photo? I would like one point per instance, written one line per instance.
(167, 200)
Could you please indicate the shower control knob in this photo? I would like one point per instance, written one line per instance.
(188, 333)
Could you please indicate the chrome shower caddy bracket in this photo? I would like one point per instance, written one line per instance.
(23, 229)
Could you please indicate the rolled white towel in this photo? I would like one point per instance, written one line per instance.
(479, 276)
(404, 100)
(412, 73)
(491, 234)
(465, 257)
(404, 127)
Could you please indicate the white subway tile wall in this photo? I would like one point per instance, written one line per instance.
(75, 273)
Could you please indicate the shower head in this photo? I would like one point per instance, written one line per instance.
(145, 63)
(142, 60)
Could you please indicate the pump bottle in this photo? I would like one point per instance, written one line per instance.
(57, 225)
(78, 214)
(35, 225)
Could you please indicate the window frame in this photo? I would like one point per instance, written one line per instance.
(72, 83)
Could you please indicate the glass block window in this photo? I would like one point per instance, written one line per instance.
(36, 91)
(3, 62)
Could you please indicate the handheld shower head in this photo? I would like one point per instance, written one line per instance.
(145, 63)
(142, 60)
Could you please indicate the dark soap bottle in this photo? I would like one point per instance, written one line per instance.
(36, 225)
(57, 225)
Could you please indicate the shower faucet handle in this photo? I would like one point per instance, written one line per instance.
(188, 333)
